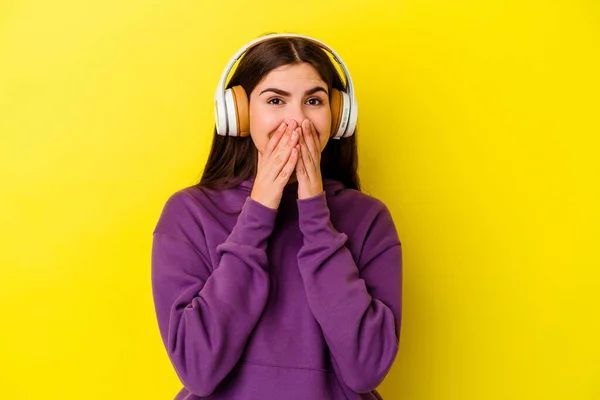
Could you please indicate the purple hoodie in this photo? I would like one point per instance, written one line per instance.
(303, 302)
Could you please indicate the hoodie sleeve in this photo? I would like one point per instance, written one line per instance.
(206, 312)
(357, 304)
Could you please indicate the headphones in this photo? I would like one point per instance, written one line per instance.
(232, 105)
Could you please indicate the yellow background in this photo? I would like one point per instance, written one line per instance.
(479, 127)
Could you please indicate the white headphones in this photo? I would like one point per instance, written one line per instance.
(231, 105)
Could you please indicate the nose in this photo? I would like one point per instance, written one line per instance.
(296, 112)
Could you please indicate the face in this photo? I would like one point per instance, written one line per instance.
(289, 92)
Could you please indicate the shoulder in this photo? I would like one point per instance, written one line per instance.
(364, 216)
(355, 202)
(180, 210)
(183, 201)
(192, 207)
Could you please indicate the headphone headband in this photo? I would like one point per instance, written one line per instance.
(220, 100)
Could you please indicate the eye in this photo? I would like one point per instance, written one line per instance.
(314, 101)
(276, 101)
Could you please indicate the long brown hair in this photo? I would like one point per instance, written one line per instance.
(233, 159)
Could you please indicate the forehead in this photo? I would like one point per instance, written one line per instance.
(293, 74)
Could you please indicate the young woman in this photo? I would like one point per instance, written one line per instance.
(275, 277)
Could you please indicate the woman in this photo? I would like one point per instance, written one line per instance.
(275, 277)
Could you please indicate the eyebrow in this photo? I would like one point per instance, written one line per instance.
(288, 94)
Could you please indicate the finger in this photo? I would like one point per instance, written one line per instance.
(300, 166)
(316, 138)
(290, 126)
(276, 138)
(284, 175)
(277, 160)
(308, 142)
(310, 139)
(304, 153)
(278, 157)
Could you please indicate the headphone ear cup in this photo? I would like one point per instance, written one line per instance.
(220, 118)
(336, 101)
(340, 113)
(230, 127)
(241, 107)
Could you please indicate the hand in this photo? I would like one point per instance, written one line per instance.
(308, 167)
(276, 166)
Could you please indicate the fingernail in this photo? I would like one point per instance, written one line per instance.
(281, 127)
